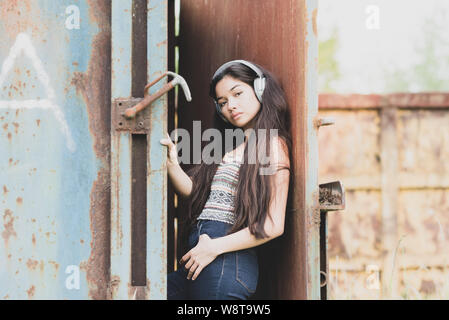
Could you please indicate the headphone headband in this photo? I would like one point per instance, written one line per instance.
(246, 63)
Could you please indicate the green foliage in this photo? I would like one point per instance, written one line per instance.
(328, 69)
(429, 73)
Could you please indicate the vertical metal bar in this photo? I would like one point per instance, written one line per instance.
(324, 267)
(138, 206)
(389, 162)
(156, 183)
(311, 175)
(139, 51)
(121, 44)
(139, 153)
(171, 210)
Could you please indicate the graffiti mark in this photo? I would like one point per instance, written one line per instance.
(24, 45)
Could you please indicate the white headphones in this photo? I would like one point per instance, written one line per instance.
(259, 82)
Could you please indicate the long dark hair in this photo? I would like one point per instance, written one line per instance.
(254, 191)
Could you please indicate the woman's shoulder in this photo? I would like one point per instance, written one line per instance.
(279, 151)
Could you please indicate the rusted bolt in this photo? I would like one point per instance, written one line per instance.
(324, 121)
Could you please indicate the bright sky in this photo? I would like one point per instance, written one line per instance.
(376, 34)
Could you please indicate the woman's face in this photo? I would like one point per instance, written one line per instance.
(238, 102)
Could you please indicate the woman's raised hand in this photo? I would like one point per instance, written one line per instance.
(172, 152)
(181, 181)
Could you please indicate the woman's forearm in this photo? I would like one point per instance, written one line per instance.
(180, 180)
(240, 240)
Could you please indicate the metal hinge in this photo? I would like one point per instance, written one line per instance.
(141, 123)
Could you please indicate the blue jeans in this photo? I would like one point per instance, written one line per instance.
(231, 276)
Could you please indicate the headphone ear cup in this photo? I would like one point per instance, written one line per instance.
(259, 86)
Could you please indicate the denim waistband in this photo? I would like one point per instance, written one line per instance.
(212, 228)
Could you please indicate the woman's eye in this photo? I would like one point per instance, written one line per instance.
(221, 105)
(238, 93)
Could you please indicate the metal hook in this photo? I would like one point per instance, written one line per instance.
(149, 99)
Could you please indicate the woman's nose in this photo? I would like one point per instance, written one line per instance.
(231, 104)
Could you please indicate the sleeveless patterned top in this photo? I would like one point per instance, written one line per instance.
(220, 203)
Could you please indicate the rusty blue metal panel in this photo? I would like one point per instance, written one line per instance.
(47, 163)
(156, 183)
(121, 153)
(121, 149)
(121, 25)
(121, 216)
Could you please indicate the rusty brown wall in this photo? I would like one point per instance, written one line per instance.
(351, 151)
(95, 87)
(214, 32)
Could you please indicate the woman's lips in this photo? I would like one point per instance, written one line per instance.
(236, 116)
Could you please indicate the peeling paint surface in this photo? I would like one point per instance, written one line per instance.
(351, 150)
(49, 165)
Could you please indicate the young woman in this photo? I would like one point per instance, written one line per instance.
(237, 204)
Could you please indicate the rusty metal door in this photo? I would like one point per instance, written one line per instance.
(83, 201)
(138, 174)
(282, 36)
